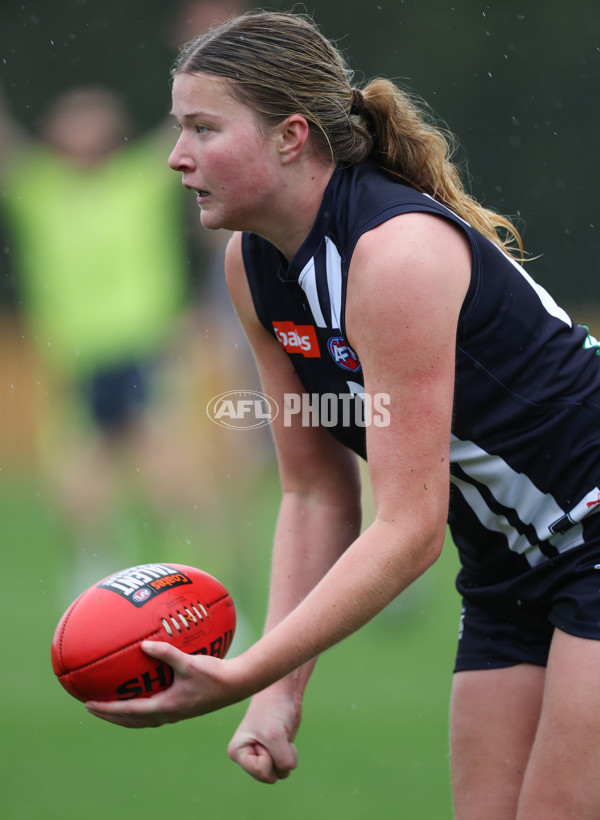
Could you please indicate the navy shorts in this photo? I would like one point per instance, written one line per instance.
(512, 620)
(116, 395)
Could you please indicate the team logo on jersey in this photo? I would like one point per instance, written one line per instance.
(298, 339)
(342, 354)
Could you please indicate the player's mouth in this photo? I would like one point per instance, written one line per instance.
(201, 196)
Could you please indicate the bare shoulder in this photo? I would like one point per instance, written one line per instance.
(407, 281)
(234, 261)
(416, 265)
(237, 283)
(417, 237)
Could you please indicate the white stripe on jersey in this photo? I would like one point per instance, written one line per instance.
(544, 297)
(572, 538)
(498, 523)
(308, 282)
(334, 282)
(513, 491)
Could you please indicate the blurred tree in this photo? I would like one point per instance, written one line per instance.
(516, 81)
(47, 47)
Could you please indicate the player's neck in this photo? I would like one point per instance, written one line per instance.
(295, 213)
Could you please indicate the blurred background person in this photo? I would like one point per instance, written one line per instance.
(122, 333)
(95, 232)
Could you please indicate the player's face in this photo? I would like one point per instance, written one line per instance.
(222, 155)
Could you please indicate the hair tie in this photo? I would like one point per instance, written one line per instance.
(358, 102)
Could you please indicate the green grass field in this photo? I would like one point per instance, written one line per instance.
(373, 741)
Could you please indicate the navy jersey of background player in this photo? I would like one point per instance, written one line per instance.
(525, 440)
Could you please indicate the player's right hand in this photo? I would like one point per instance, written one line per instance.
(263, 743)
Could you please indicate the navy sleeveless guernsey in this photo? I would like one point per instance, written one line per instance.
(525, 442)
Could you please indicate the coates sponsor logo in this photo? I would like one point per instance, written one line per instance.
(140, 584)
(298, 339)
(342, 354)
(242, 409)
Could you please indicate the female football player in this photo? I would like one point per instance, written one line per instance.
(355, 236)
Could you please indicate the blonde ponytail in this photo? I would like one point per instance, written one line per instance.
(409, 146)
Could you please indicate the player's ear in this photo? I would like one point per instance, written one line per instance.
(292, 136)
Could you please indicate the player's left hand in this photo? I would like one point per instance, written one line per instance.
(263, 744)
(201, 684)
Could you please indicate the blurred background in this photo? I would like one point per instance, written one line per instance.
(115, 332)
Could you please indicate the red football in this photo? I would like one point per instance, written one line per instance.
(96, 651)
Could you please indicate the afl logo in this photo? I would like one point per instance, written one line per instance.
(342, 354)
(141, 595)
(242, 409)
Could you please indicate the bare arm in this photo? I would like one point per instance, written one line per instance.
(319, 514)
(319, 517)
(407, 282)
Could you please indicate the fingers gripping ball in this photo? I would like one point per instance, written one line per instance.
(96, 651)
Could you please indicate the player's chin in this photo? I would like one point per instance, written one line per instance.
(209, 218)
(215, 219)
